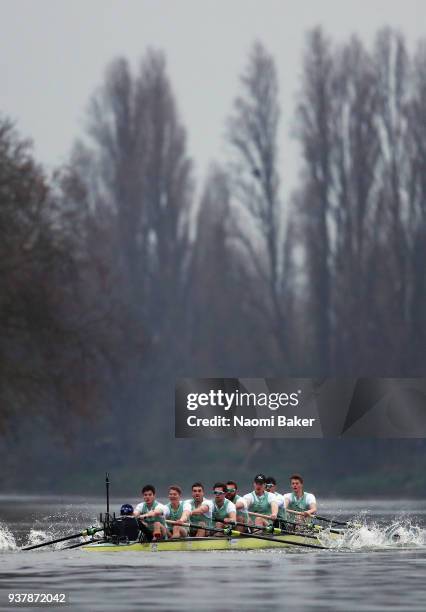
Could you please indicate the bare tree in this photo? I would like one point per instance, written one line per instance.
(134, 175)
(211, 277)
(138, 174)
(167, 195)
(393, 74)
(253, 133)
(355, 164)
(415, 150)
(315, 129)
(360, 135)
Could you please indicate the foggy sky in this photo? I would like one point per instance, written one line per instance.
(54, 54)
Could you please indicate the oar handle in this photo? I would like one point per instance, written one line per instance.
(271, 530)
(265, 516)
(178, 523)
(226, 531)
(276, 531)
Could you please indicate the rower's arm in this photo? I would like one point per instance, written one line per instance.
(312, 510)
(274, 509)
(185, 516)
(186, 512)
(158, 511)
(231, 518)
(247, 500)
(137, 511)
(240, 504)
(201, 509)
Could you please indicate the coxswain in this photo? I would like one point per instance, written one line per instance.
(299, 503)
(173, 512)
(126, 510)
(197, 511)
(151, 514)
(260, 501)
(240, 504)
(224, 511)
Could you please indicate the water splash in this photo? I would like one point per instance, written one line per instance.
(7, 539)
(57, 525)
(37, 536)
(401, 533)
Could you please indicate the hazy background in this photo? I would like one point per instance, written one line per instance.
(54, 56)
(230, 189)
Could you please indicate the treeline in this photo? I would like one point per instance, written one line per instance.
(115, 279)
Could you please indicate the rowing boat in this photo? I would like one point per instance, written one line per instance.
(211, 543)
(125, 533)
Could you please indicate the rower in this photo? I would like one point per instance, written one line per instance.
(299, 503)
(261, 502)
(224, 511)
(173, 512)
(240, 504)
(271, 487)
(197, 511)
(151, 515)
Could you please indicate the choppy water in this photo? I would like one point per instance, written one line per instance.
(369, 570)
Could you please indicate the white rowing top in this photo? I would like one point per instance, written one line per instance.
(310, 498)
(279, 499)
(250, 499)
(187, 505)
(159, 506)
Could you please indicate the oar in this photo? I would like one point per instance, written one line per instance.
(83, 543)
(265, 516)
(276, 530)
(312, 525)
(87, 532)
(346, 524)
(268, 529)
(238, 534)
(193, 526)
(304, 525)
(268, 517)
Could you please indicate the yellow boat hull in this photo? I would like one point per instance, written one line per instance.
(209, 543)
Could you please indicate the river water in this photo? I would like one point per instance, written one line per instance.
(369, 571)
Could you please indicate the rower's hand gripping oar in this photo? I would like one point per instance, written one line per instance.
(86, 532)
(268, 529)
(228, 531)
